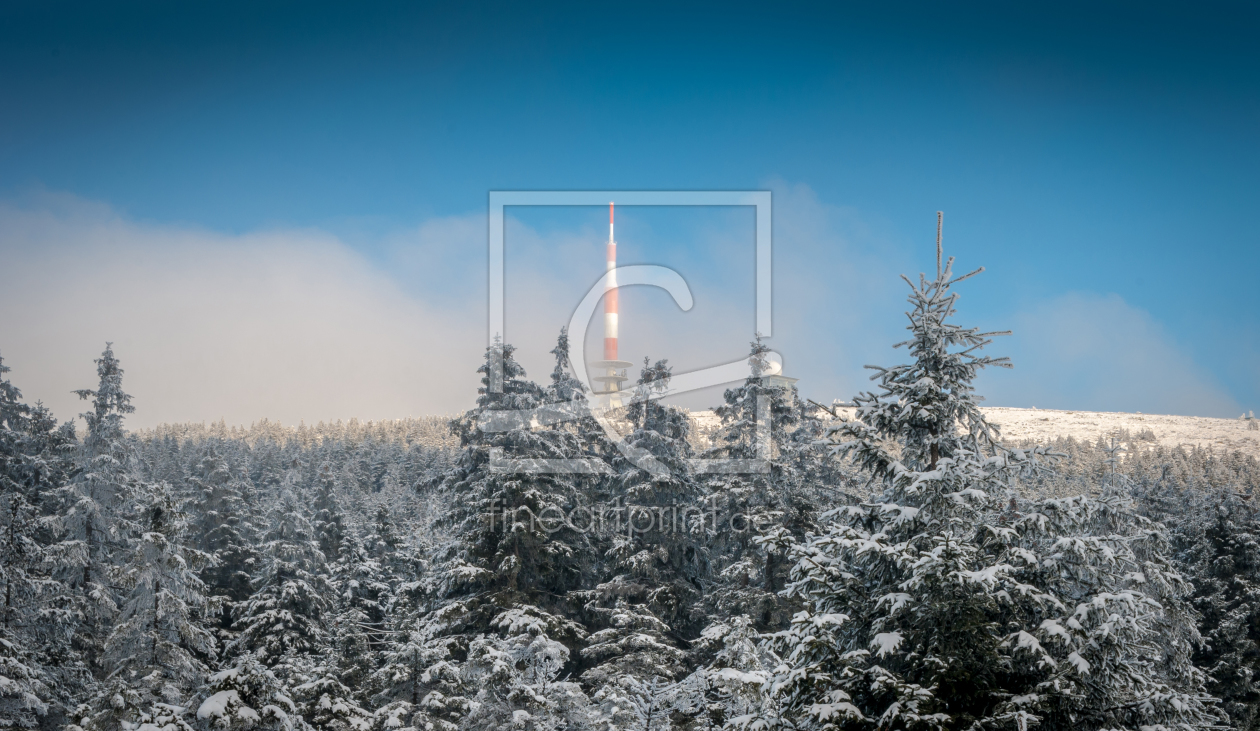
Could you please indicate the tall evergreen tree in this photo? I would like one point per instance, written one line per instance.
(225, 531)
(25, 686)
(160, 644)
(512, 531)
(96, 526)
(658, 553)
(1216, 536)
(247, 696)
(329, 523)
(759, 424)
(935, 606)
(284, 617)
(512, 543)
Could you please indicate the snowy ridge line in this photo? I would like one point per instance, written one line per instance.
(1045, 425)
(1016, 424)
(428, 430)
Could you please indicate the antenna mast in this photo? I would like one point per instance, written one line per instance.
(940, 218)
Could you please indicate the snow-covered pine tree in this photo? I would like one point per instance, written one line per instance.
(659, 428)
(511, 527)
(751, 573)
(129, 708)
(159, 644)
(284, 617)
(632, 660)
(247, 697)
(1216, 537)
(93, 518)
(360, 623)
(321, 699)
(13, 425)
(225, 531)
(736, 682)
(329, 524)
(383, 540)
(420, 683)
(932, 606)
(43, 670)
(511, 545)
(659, 538)
(21, 554)
(564, 388)
(24, 686)
(517, 674)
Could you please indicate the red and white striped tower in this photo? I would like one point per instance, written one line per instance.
(612, 371)
(610, 293)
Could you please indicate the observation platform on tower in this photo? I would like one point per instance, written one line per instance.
(612, 374)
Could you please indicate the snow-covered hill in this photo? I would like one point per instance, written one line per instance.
(1043, 424)
(1046, 424)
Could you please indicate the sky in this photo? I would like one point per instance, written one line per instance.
(278, 210)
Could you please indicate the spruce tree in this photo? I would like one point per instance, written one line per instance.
(759, 421)
(939, 604)
(361, 627)
(329, 524)
(39, 612)
(284, 617)
(160, 644)
(512, 527)
(511, 543)
(658, 543)
(247, 697)
(516, 674)
(1216, 536)
(225, 532)
(25, 689)
(95, 524)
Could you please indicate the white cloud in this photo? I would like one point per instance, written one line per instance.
(838, 299)
(287, 325)
(1099, 353)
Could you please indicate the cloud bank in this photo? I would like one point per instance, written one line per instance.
(1095, 352)
(297, 325)
(288, 325)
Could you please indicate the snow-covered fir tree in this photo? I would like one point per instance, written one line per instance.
(513, 546)
(759, 421)
(245, 696)
(517, 673)
(96, 526)
(937, 604)
(511, 533)
(328, 521)
(284, 617)
(24, 685)
(41, 671)
(658, 553)
(159, 645)
(1215, 533)
(225, 531)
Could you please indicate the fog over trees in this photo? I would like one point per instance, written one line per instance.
(903, 569)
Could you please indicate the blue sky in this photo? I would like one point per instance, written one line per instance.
(1099, 159)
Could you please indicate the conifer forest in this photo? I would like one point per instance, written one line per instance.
(903, 569)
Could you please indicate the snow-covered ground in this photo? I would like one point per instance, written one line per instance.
(1045, 424)
(1041, 424)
